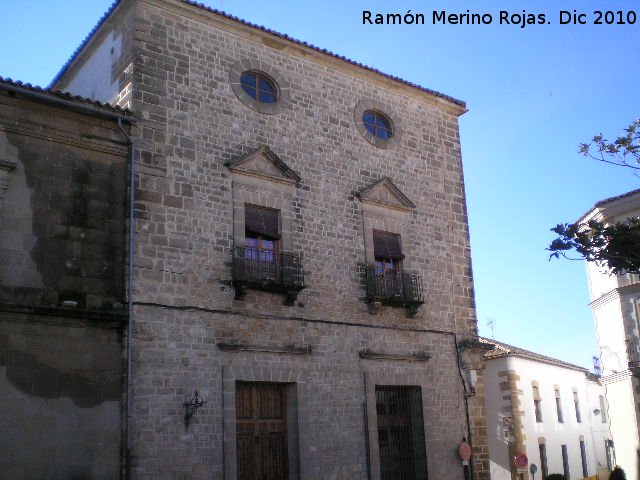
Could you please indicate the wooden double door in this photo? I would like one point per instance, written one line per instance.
(261, 431)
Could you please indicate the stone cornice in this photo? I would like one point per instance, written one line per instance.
(30, 129)
(414, 357)
(287, 349)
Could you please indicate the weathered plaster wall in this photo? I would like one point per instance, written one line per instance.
(61, 392)
(62, 314)
(62, 219)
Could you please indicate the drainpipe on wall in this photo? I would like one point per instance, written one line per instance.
(132, 194)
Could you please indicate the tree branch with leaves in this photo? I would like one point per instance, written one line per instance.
(624, 151)
(615, 246)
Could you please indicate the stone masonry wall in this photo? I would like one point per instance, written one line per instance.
(194, 124)
(176, 353)
(61, 389)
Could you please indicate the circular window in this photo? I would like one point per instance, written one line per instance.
(382, 130)
(377, 124)
(259, 87)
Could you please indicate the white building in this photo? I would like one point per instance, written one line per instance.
(549, 410)
(615, 303)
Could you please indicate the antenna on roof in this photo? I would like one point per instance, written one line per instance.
(491, 323)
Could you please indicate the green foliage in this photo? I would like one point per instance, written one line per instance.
(615, 246)
(555, 476)
(624, 151)
(617, 474)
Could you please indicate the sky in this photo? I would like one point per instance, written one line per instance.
(534, 93)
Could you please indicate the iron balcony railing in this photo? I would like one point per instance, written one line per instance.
(393, 287)
(260, 268)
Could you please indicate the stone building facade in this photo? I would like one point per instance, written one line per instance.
(63, 198)
(301, 256)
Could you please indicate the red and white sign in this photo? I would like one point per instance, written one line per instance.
(464, 451)
(521, 460)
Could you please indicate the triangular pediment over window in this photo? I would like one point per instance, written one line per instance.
(265, 164)
(384, 193)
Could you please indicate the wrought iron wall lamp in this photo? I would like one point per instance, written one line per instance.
(192, 406)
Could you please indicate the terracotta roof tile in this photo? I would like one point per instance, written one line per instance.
(64, 95)
(270, 32)
(617, 197)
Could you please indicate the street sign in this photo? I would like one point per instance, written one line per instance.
(465, 451)
(521, 460)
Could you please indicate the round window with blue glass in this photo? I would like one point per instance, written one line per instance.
(259, 87)
(377, 124)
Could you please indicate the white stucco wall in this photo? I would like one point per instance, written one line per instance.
(600, 282)
(611, 335)
(614, 303)
(624, 427)
(600, 425)
(555, 434)
(94, 79)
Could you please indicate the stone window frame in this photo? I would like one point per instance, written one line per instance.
(282, 86)
(261, 179)
(385, 109)
(297, 408)
(373, 378)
